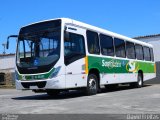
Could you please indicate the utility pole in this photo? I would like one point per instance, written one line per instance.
(4, 45)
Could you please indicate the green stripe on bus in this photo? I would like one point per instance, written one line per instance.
(36, 77)
(113, 65)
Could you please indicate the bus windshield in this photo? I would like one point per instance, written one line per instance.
(38, 48)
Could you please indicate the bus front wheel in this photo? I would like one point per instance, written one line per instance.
(92, 85)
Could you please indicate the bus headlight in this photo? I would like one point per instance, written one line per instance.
(55, 72)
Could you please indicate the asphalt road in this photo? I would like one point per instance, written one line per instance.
(123, 100)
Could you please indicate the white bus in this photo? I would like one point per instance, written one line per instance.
(63, 54)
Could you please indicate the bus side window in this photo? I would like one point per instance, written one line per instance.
(130, 50)
(147, 56)
(93, 42)
(139, 52)
(152, 55)
(119, 47)
(107, 47)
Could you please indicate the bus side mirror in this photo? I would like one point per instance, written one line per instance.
(7, 45)
(15, 36)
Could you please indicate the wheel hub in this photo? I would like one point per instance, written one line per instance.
(92, 84)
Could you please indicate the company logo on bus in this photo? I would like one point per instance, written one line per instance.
(132, 66)
(111, 64)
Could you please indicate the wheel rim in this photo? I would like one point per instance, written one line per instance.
(139, 81)
(92, 84)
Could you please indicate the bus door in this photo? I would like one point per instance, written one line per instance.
(74, 56)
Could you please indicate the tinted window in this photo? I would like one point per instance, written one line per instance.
(130, 50)
(74, 48)
(119, 47)
(152, 55)
(146, 53)
(139, 52)
(93, 42)
(107, 47)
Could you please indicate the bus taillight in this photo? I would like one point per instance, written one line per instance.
(155, 67)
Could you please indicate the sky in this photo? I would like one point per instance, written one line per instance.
(131, 18)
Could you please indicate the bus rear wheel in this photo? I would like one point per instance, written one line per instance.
(92, 85)
(139, 82)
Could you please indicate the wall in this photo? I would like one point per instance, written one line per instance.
(7, 64)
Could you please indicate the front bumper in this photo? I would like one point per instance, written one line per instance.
(54, 83)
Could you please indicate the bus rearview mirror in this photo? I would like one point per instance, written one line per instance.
(15, 36)
(7, 45)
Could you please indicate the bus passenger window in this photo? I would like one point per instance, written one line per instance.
(119, 47)
(147, 56)
(139, 52)
(130, 50)
(93, 42)
(152, 55)
(107, 47)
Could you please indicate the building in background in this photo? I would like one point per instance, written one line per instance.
(155, 41)
(7, 63)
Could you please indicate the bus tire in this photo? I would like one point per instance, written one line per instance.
(139, 82)
(53, 92)
(92, 85)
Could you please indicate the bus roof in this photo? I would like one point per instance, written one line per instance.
(97, 29)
